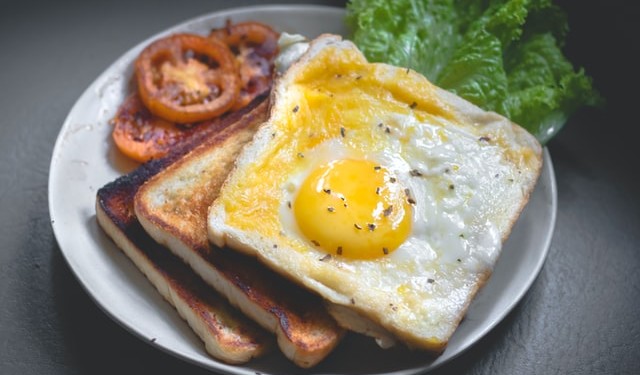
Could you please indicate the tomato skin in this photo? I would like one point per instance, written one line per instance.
(187, 78)
(253, 34)
(141, 135)
(255, 46)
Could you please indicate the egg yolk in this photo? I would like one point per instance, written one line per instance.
(353, 208)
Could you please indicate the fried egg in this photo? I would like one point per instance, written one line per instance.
(386, 195)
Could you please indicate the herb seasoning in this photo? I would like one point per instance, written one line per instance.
(410, 199)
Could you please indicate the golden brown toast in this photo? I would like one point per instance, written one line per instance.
(172, 207)
(228, 335)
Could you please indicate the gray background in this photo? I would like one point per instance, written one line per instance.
(580, 317)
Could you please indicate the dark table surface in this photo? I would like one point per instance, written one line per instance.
(581, 316)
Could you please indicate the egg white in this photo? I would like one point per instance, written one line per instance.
(442, 216)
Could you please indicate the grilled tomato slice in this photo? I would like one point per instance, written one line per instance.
(141, 135)
(255, 46)
(187, 78)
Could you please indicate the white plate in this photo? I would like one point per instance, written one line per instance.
(84, 160)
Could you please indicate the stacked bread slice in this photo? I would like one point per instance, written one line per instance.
(166, 238)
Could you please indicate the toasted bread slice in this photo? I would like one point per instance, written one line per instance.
(172, 207)
(292, 202)
(228, 335)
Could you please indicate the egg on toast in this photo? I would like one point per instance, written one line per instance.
(384, 194)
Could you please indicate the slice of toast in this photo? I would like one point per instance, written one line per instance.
(227, 334)
(353, 149)
(172, 207)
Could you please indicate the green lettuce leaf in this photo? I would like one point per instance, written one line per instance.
(502, 55)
